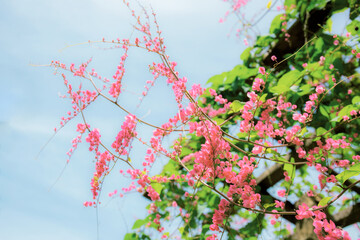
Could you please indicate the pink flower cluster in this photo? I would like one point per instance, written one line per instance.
(152, 193)
(115, 88)
(125, 136)
(101, 167)
(94, 139)
(219, 215)
(258, 84)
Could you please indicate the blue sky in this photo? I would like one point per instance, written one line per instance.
(34, 32)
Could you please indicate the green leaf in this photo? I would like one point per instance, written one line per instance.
(264, 41)
(328, 25)
(356, 100)
(253, 227)
(201, 208)
(242, 72)
(205, 229)
(338, 63)
(267, 205)
(289, 3)
(217, 79)
(290, 169)
(236, 106)
(319, 74)
(354, 170)
(286, 81)
(245, 54)
(306, 89)
(335, 119)
(324, 111)
(226, 78)
(295, 88)
(171, 167)
(320, 131)
(303, 131)
(279, 89)
(324, 201)
(131, 236)
(263, 97)
(354, 27)
(319, 45)
(213, 201)
(138, 223)
(157, 187)
(310, 5)
(276, 25)
(345, 111)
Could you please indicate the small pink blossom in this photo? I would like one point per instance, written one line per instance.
(212, 92)
(331, 179)
(262, 70)
(246, 42)
(258, 83)
(281, 193)
(287, 178)
(303, 212)
(320, 89)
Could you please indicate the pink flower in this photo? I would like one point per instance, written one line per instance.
(328, 226)
(303, 212)
(258, 83)
(287, 178)
(262, 70)
(320, 89)
(212, 92)
(279, 204)
(152, 193)
(331, 179)
(246, 42)
(273, 58)
(281, 193)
